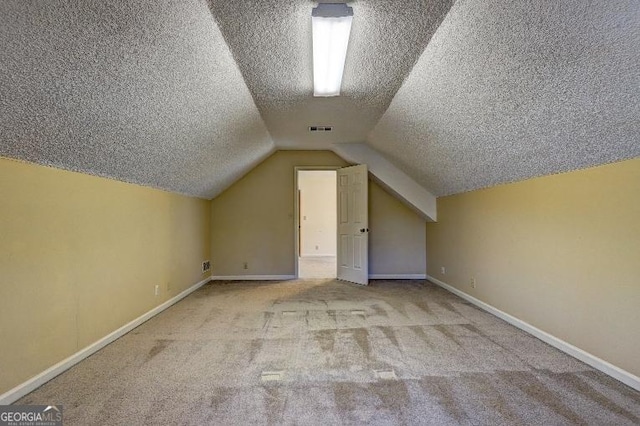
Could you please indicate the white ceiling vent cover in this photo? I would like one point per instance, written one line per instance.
(320, 128)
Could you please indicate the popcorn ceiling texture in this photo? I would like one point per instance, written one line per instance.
(164, 93)
(143, 91)
(271, 42)
(508, 91)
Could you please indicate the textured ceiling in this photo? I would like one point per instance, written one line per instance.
(188, 95)
(141, 91)
(271, 42)
(507, 91)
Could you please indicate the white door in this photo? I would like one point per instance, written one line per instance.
(353, 224)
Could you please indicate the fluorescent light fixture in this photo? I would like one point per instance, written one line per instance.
(331, 27)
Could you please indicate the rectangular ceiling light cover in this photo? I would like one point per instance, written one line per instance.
(331, 26)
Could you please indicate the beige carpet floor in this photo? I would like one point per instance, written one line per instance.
(328, 353)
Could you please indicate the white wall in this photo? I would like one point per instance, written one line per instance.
(317, 212)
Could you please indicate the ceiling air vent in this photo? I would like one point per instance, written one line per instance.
(320, 128)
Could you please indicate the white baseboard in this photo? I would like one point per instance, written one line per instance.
(293, 277)
(592, 360)
(51, 372)
(252, 277)
(397, 276)
(318, 255)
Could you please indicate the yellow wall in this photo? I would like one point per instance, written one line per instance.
(253, 222)
(80, 257)
(560, 252)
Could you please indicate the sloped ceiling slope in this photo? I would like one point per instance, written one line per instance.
(510, 90)
(271, 41)
(144, 91)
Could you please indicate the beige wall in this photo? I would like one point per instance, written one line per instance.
(80, 257)
(397, 238)
(560, 252)
(253, 222)
(318, 212)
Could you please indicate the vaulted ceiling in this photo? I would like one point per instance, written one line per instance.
(188, 95)
(271, 42)
(507, 91)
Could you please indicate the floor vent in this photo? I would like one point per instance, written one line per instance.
(357, 312)
(271, 376)
(320, 128)
(386, 375)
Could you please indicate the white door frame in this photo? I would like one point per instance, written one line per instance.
(296, 208)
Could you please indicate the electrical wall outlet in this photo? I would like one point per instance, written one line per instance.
(245, 265)
(156, 290)
(473, 282)
(206, 265)
(443, 270)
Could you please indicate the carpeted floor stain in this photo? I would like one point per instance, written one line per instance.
(380, 311)
(256, 346)
(441, 390)
(392, 395)
(326, 339)
(419, 331)
(445, 330)
(423, 306)
(532, 387)
(333, 317)
(391, 335)
(220, 397)
(268, 316)
(489, 399)
(576, 384)
(361, 337)
(448, 307)
(274, 404)
(398, 306)
(159, 346)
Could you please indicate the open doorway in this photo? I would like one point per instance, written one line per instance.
(316, 223)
